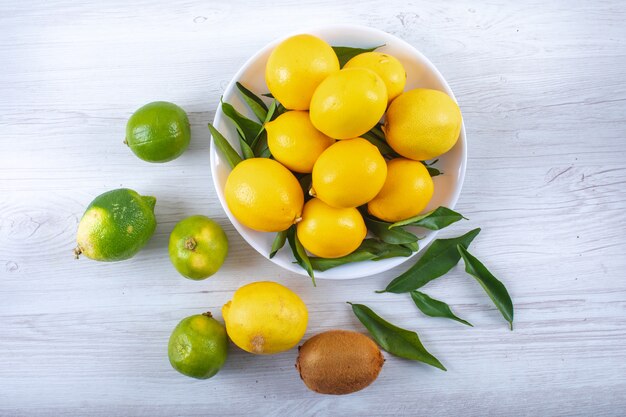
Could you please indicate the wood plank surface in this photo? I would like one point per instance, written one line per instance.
(542, 86)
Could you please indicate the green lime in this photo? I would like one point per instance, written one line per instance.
(116, 225)
(198, 247)
(158, 132)
(198, 346)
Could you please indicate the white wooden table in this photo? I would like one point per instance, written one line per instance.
(542, 86)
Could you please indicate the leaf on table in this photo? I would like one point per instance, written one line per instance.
(346, 53)
(435, 308)
(440, 257)
(492, 286)
(258, 107)
(395, 340)
(436, 219)
(231, 155)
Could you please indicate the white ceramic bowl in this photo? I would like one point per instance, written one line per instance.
(420, 73)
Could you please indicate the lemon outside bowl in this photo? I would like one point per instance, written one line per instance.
(420, 73)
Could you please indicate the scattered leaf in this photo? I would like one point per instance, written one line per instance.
(438, 259)
(395, 340)
(492, 286)
(435, 308)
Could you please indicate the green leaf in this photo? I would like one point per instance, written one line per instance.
(299, 253)
(433, 220)
(393, 339)
(369, 250)
(265, 153)
(381, 144)
(323, 264)
(492, 286)
(435, 308)
(258, 107)
(246, 150)
(413, 246)
(248, 129)
(259, 143)
(305, 183)
(438, 259)
(346, 53)
(270, 112)
(231, 155)
(280, 109)
(279, 242)
(433, 172)
(381, 229)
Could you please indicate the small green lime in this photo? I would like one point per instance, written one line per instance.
(198, 346)
(198, 247)
(158, 132)
(116, 225)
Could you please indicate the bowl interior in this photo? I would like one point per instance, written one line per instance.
(420, 73)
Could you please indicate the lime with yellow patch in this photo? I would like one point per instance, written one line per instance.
(198, 346)
(116, 225)
(158, 132)
(198, 247)
(265, 318)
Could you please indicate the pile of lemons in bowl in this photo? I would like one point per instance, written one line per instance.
(328, 110)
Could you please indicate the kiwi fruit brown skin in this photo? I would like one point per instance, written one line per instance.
(339, 362)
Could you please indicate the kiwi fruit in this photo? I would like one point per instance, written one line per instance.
(339, 362)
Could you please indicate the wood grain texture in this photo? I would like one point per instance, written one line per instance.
(541, 85)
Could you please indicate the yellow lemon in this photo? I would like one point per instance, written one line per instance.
(388, 68)
(265, 318)
(263, 195)
(295, 142)
(407, 191)
(422, 124)
(348, 103)
(330, 232)
(349, 173)
(295, 68)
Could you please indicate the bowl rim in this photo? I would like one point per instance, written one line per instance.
(214, 153)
